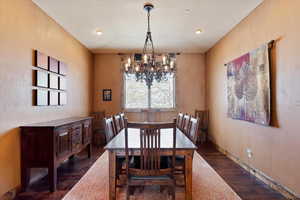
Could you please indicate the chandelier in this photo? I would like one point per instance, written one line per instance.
(149, 66)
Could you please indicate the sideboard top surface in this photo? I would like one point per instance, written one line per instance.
(56, 123)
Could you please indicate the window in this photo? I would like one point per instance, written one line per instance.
(137, 95)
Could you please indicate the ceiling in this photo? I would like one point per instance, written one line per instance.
(123, 22)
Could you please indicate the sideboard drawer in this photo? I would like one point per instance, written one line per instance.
(63, 140)
(76, 137)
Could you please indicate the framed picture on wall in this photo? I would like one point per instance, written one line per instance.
(53, 98)
(53, 81)
(63, 68)
(41, 60)
(62, 98)
(107, 95)
(53, 65)
(41, 78)
(62, 83)
(41, 97)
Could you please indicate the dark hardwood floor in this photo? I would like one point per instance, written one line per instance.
(247, 186)
(69, 173)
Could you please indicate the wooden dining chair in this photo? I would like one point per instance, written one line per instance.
(179, 120)
(109, 128)
(192, 134)
(117, 123)
(193, 129)
(203, 116)
(149, 170)
(98, 136)
(110, 132)
(186, 123)
(122, 115)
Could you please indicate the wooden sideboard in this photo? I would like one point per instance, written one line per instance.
(47, 144)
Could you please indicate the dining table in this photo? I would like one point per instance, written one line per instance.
(184, 147)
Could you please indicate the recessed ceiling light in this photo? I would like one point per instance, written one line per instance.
(187, 10)
(199, 31)
(98, 32)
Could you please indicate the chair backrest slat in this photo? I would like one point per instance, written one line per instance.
(109, 128)
(122, 120)
(186, 123)
(179, 120)
(117, 123)
(193, 129)
(203, 116)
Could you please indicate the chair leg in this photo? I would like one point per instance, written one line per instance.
(161, 189)
(127, 193)
(184, 177)
(173, 192)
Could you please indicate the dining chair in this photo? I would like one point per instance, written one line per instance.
(98, 128)
(179, 120)
(117, 123)
(186, 123)
(149, 168)
(109, 128)
(203, 116)
(110, 132)
(193, 129)
(122, 115)
(192, 134)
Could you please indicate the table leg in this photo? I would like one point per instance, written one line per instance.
(89, 149)
(112, 176)
(25, 177)
(188, 176)
(52, 173)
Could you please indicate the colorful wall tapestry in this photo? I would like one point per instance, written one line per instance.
(248, 87)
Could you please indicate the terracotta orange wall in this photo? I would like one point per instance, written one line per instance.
(190, 86)
(275, 149)
(25, 27)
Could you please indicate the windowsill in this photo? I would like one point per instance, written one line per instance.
(142, 110)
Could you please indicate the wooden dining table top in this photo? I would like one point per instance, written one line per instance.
(166, 140)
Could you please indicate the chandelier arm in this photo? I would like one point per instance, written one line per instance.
(145, 44)
(152, 46)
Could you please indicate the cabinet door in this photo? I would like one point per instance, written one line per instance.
(76, 137)
(63, 142)
(87, 132)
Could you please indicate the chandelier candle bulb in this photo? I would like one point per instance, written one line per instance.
(129, 61)
(172, 64)
(126, 67)
(164, 60)
(145, 58)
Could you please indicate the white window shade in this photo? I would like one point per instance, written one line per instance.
(161, 95)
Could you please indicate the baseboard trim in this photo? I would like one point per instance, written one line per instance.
(260, 175)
